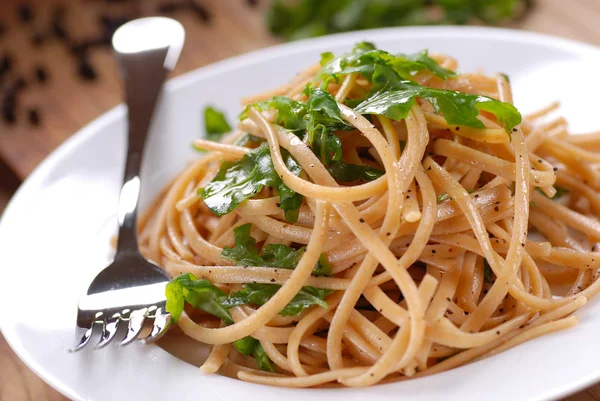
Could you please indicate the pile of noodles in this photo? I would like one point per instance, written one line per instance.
(420, 284)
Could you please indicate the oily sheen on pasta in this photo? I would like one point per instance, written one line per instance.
(380, 217)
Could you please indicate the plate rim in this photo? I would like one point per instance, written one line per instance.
(115, 113)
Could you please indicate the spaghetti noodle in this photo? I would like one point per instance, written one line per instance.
(369, 222)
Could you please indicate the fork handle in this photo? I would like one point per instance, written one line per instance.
(144, 75)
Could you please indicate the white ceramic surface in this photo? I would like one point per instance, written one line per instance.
(54, 235)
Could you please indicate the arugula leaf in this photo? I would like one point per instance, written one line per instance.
(251, 346)
(289, 201)
(412, 63)
(323, 110)
(442, 197)
(240, 180)
(262, 359)
(259, 294)
(316, 119)
(323, 267)
(457, 108)
(351, 172)
(204, 295)
(560, 191)
(245, 253)
(201, 294)
(365, 59)
(215, 124)
(290, 113)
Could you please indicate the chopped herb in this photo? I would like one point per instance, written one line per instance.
(443, 197)
(351, 172)
(457, 108)
(240, 180)
(215, 124)
(251, 346)
(259, 294)
(204, 295)
(246, 253)
(393, 94)
(560, 191)
(366, 60)
(201, 294)
(313, 121)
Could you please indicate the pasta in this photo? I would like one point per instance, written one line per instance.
(380, 217)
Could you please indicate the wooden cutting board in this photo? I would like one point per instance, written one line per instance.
(68, 103)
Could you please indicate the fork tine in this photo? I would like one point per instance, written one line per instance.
(162, 322)
(85, 339)
(136, 323)
(109, 330)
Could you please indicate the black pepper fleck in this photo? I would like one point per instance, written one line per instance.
(362, 220)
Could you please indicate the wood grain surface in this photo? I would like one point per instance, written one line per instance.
(68, 103)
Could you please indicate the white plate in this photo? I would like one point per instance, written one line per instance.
(54, 235)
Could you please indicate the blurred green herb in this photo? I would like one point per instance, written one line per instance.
(560, 191)
(215, 124)
(307, 18)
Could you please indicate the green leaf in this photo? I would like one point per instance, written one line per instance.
(442, 197)
(290, 201)
(290, 113)
(246, 253)
(326, 57)
(365, 59)
(323, 267)
(201, 294)
(262, 360)
(251, 346)
(259, 294)
(323, 110)
(457, 108)
(560, 192)
(240, 180)
(421, 61)
(351, 172)
(215, 123)
(245, 346)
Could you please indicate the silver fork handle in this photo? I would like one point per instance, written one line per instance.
(144, 80)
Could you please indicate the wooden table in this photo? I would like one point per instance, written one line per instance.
(68, 104)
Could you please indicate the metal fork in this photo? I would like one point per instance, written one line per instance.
(131, 290)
